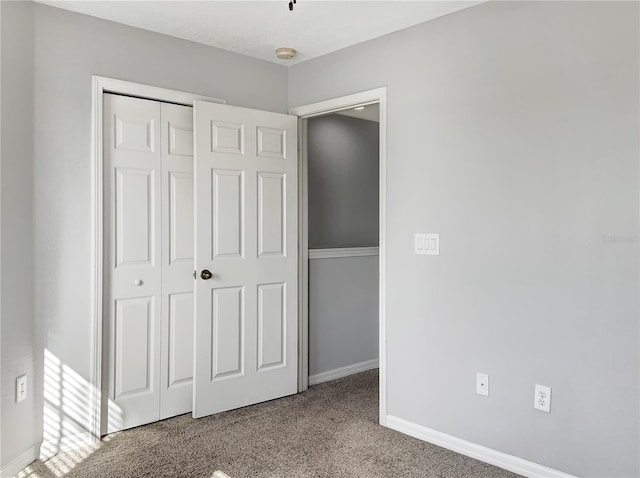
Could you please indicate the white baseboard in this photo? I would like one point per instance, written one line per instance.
(484, 454)
(20, 462)
(343, 371)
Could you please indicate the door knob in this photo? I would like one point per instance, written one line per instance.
(206, 275)
(137, 282)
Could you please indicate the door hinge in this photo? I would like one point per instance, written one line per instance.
(194, 274)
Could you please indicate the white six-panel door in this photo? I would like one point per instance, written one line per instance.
(148, 150)
(246, 236)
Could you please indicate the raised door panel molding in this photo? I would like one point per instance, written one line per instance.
(271, 325)
(134, 135)
(180, 140)
(134, 346)
(180, 338)
(272, 143)
(134, 209)
(180, 217)
(227, 189)
(227, 137)
(271, 214)
(227, 332)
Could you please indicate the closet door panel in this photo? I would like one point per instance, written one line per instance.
(133, 269)
(148, 150)
(177, 259)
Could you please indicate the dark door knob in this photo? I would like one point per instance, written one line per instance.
(206, 275)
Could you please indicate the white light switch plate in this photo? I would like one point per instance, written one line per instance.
(428, 244)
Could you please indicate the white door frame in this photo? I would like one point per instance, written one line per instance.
(378, 95)
(100, 86)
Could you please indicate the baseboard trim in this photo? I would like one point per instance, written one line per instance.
(20, 462)
(479, 452)
(343, 372)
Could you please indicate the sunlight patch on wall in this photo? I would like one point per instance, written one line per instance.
(68, 398)
(67, 401)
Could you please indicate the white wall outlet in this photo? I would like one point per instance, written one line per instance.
(21, 388)
(542, 399)
(482, 384)
(428, 244)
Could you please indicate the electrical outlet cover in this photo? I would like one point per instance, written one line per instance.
(542, 398)
(482, 384)
(21, 388)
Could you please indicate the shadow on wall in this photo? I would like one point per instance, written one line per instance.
(68, 397)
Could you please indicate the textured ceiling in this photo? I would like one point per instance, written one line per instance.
(257, 28)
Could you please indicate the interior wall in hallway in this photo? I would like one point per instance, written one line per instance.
(343, 155)
(343, 181)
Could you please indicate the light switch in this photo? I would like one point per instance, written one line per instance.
(428, 244)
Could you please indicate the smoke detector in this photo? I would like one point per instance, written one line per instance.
(286, 53)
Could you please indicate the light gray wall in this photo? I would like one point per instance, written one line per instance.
(69, 48)
(343, 312)
(21, 423)
(343, 155)
(513, 132)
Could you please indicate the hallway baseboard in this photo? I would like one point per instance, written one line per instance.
(343, 371)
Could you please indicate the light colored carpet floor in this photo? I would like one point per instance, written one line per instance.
(329, 431)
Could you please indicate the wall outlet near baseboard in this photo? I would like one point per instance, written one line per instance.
(482, 384)
(542, 399)
(21, 388)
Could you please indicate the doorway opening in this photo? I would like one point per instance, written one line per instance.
(342, 239)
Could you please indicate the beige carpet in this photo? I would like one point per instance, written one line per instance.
(329, 431)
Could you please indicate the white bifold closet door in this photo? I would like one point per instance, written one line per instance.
(149, 229)
(246, 238)
(235, 342)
